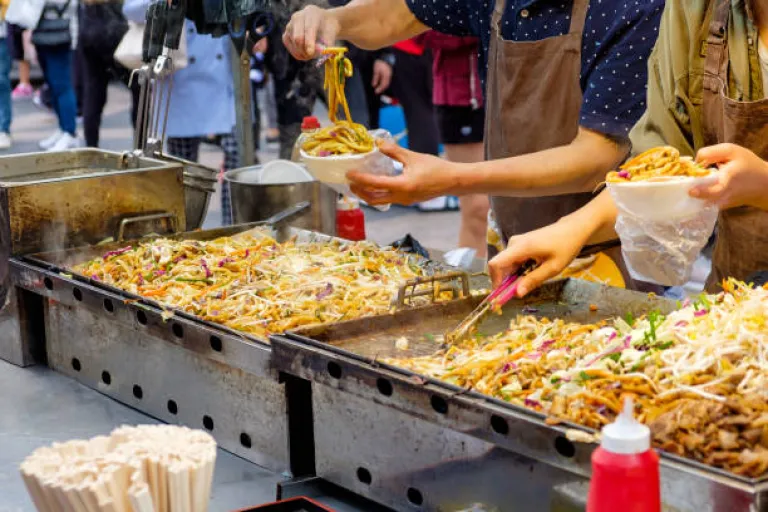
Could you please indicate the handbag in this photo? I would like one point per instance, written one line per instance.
(129, 51)
(53, 30)
(102, 27)
(25, 13)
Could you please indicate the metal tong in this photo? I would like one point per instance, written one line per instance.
(507, 291)
(162, 35)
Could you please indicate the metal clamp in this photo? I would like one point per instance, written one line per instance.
(171, 217)
(432, 287)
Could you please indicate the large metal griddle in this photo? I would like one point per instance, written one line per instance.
(170, 364)
(345, 359)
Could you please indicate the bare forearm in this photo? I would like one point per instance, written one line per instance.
(374, 24)
(595, 221)
(577, 167)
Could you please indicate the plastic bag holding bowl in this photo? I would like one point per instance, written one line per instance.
(662, 228)
(332, 170)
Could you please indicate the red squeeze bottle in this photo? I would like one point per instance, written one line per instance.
(350, 220)
(625, 469)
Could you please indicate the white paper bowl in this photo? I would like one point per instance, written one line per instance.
(280, 172)
(333, 169)
(662, 198)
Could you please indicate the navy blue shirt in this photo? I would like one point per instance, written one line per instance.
(618, 38)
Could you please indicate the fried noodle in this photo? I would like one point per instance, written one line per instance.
(655, 164)
(699, 375)
(257, 285)
(343, 136)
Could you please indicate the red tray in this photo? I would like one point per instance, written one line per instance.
(290, 505)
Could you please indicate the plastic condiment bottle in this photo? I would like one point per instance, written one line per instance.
(309, 125)
(625, 469)
(350, 220)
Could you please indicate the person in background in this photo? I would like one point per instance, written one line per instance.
(458, 99)
(258, 77)
(202, 99)
(270, 106)
(296, 83)
(6, 112)
(54, 38)
(23, 90)
(95, 50)
(412, 86)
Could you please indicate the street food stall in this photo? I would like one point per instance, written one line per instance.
(327, 359)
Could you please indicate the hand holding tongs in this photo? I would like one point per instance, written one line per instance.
(507, 291)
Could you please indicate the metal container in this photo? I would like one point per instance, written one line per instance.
(52, 201)
(197, 196)
(253, 202)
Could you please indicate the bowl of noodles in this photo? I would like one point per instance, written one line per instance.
(655, 185)
(329, 153)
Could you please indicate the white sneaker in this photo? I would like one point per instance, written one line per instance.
(66, 142)
(51, 141)
(5, 141)
(437, 204)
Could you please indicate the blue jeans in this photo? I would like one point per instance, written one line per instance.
(56, 62)
(5, 87)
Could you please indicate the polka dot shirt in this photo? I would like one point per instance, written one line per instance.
(618, 38)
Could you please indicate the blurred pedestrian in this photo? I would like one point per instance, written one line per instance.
(412, 87)
(23, 90)
(5, 81)
(54, 38)
(458, 100)
(102, 26)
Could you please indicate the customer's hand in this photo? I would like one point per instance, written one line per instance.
(424, 177)
(261, 46)
(742, 179)
(308, 31)
(382, 76)
(553, 247)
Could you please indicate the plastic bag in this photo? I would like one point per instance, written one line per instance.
(663, 251)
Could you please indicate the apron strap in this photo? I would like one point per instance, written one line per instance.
(716, 61)
(578, 16)
(498, 12)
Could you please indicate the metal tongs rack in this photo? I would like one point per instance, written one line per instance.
(162, 36)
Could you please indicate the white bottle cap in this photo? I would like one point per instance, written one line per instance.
(347, 203)
(626, 435)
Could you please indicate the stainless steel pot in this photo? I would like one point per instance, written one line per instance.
(199, 186)
(253, 202)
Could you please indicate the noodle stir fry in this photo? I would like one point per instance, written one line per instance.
(343, 137)
(699, 375)
(257, 285)
(655, 164)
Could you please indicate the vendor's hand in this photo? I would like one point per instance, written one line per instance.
(382, 76)
(308, 31)
(742, 178)
(424, 177)
(553, 247)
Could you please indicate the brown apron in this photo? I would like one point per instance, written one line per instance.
(533, 103)
(742, 233)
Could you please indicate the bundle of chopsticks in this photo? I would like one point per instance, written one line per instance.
(149, 468)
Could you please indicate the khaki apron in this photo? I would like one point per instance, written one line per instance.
(742, 233)
(533, 104)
